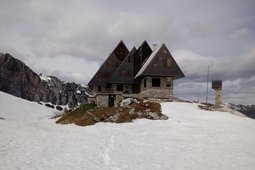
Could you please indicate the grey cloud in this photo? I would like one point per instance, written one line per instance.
(214, 33)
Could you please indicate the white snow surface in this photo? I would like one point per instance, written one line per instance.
(14, 108)
(44, 77)
(190, 139)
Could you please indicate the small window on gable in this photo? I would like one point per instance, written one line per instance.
(168, 62)
(155, 65)
(164, 51)
(110, 63)
(155, 82)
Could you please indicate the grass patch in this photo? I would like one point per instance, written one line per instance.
(89, 114)
(70, 117)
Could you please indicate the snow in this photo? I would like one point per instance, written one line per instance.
(84, 86)
(44, 77)
(190, 139)
(78, 91)
(15, 108)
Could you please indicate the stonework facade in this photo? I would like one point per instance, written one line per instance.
(161, 90)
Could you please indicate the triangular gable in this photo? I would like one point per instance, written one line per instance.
(125, 73)
(141, 55)
(110, 65)
(160, 63)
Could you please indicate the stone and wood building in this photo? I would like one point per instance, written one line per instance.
(141, 73)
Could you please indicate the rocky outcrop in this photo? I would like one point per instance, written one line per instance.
(19, 80)
(89, 114)
(248, 110)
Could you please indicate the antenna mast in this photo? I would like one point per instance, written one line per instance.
(207, 84)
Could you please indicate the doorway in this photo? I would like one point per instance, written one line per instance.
(111, 100)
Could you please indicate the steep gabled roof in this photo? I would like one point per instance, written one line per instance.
(141, 55)
(125, 72)
(110, 65)
(160, 63)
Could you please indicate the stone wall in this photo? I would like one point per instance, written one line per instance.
(102, 100)
(165, 91)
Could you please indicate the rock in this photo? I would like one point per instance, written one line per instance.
(126, 102)
(49, 105)
(132, 111)
(163, 117)
(139, 113)
(19, 80)
(153, 115)
(59, 108)
(1, 118)
(113, 118)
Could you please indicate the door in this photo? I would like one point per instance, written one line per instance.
(111, 100)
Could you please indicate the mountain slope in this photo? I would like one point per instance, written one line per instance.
(190, 139)
(15, 108)
(19, 80)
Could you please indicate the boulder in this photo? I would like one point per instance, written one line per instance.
(126, 102)
(153, 115)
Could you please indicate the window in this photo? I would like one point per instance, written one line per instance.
(168, 62)
(155, 65)
(155, 82)
(119, 87)
(99, 88)
(125, 73)
(110, 63)
(145, 83)
(169, 83)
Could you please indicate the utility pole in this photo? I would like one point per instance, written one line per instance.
(207, 84)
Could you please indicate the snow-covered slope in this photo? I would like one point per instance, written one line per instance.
(15, 108)
(190, 139)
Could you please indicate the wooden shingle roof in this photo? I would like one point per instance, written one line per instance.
(160, 63)
(110, 65)
(125, 72)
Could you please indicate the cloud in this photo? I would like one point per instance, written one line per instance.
(83, 33)
(239, 34)
(237, 73)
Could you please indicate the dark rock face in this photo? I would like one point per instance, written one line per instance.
(19, 80)
(248, 110)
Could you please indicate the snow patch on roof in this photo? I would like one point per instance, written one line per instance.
(148, 61)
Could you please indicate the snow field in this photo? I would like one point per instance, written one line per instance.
(189, 139)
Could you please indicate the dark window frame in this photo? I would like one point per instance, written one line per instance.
(99, 88)
(156, 82)
(145, 83)
(119, 87)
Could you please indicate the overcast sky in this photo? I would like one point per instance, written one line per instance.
(71, 38)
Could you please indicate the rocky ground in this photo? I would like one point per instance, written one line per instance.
(129, 110)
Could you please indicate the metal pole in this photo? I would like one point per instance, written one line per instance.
(207, 84)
